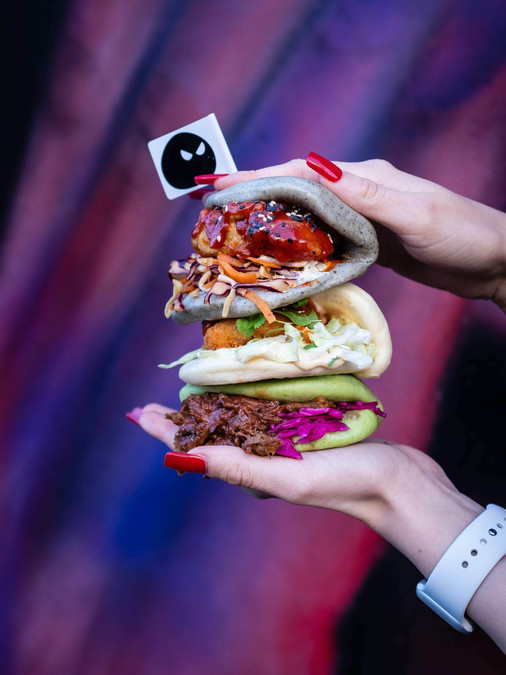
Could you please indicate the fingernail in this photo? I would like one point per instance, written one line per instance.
(134, 415)
(324, 167)
(198, 194)
(208, 178)
(185, 463)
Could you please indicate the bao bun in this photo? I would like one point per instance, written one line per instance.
(346, 302)
(360, 244)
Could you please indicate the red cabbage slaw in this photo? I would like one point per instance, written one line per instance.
(311, 424)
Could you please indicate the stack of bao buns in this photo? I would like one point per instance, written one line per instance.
(285, 331)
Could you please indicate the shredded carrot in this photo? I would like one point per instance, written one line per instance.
(188, 288)
(305, 332)
(261, 304)
(229, 259)
(242, 277)
(330, 264)
(265, 263)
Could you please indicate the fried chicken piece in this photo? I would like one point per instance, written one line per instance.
(275, 229)
(228, 241)
(224, 333)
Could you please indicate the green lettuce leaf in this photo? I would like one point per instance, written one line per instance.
(248, 324)
(300, 319)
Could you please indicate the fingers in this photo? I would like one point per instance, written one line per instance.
(276, 475)
(157, 407)
(372, 199)
(268, 475)
(405, 213)
(262, 476)
(381, 171)
(296, 167)
(376, 170)
(341, 479)
(374, 188)
(154, 422)
(271, 475)
(398, 211)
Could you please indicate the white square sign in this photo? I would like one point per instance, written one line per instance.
(196, 149)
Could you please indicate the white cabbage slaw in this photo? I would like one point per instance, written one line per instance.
(332, 343)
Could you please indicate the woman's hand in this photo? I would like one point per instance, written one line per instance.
(387, 486)
(397, 490)
(433, 236)
(348, 479)
(426, 232)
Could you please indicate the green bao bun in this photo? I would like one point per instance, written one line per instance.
(361, 423)
(333, 387)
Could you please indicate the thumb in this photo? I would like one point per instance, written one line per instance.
(364, 195)
(376, 201)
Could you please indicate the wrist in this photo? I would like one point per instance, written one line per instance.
(424, 513)
(461, 571)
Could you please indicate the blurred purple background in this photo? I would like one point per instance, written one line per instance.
(111, 563)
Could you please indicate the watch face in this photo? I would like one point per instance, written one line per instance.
(186, 156)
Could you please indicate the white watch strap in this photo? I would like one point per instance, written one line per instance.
(466, 563)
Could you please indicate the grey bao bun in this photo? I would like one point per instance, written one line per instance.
(359, 249)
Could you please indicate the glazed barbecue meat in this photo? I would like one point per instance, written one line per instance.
(256, 228)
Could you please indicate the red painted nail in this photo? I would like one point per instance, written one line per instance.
(208, 178)
(183, 462)
(324, 167)
(198, 194)
(134, 415)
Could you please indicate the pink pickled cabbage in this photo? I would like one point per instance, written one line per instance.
(311, 424)
(287, 449)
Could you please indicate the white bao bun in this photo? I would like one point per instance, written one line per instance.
(347, 302)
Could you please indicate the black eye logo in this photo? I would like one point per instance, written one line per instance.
(184, 157)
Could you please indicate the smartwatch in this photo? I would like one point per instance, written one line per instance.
(458, 575)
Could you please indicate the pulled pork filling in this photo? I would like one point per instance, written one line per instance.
(229, 419)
